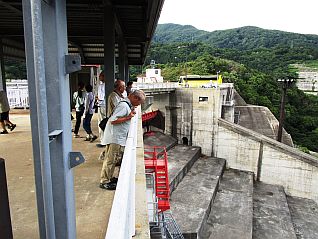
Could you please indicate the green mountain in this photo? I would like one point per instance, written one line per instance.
(243, 38)
(268, 51)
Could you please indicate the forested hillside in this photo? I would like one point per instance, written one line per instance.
(252, 58)
(244, 38)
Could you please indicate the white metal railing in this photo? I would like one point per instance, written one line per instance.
(152, 200)
(18, 96)
(156, 85)
(121, 223)
(228, 103)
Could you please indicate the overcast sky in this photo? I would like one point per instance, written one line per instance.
(300, 16)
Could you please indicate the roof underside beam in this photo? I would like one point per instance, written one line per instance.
(135, 22)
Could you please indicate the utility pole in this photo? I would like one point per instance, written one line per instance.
(286, 83)
(186, 60)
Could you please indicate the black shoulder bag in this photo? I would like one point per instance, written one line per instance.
(102, 124)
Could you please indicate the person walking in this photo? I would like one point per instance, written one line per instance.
(101, 102)
(79, 101)
(129, 87)
(115, 137)
(88, 113)
(4, 113)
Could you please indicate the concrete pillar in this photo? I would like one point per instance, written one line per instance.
(109, 50)
(183, 115)
(205, 119)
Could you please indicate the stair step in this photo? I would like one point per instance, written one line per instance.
(271, 213)
(304, 213)
(161, 190)
(155, 231)
(191, 201)
(160, 139)
(231, 215)
(180, 160)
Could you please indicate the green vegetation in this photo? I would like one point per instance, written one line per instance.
(253, 59)
(15, 69)
(312, 64)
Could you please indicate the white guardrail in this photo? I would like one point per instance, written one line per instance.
(156, 85)
(121, 223)
(18, 97)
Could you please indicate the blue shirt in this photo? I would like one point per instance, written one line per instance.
(89, 103)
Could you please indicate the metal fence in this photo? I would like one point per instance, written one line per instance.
(156, 85)
(18, 94)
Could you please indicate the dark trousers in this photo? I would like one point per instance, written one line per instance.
(79, 115)
(87, 123)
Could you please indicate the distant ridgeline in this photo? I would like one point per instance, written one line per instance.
(243, 38)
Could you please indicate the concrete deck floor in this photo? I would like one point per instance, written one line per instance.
(92, 203)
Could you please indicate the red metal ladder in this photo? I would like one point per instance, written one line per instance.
(156, 161)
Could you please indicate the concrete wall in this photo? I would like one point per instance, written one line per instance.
(271, 161)
(205, 115)
(228, 113)
(193, 114)
(160, 101)
(179, 115)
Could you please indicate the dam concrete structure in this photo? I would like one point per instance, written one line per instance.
(266, 170)
(195, 114)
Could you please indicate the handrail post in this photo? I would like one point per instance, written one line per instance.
(5, 218)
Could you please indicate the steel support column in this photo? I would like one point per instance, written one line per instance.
(109, 50)
(5, 218)
(32, 16)
(50, 115)
(126, 66)
(121, 60)
(2, 69)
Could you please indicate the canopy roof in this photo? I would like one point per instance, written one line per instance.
(135, 23)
